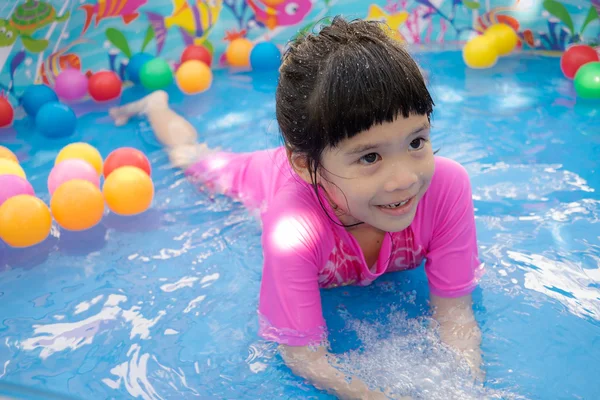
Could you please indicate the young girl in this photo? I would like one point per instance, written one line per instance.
(355, 192)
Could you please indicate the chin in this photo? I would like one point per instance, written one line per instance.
(394, 224)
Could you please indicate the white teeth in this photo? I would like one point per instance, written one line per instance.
(396, 205)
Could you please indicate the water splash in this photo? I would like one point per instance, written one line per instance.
(407, 357)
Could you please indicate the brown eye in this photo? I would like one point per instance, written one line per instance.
(417, 144)
(370, 158)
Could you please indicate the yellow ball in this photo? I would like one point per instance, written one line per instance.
(77, 205)
(7, 154)
(128, 191)
(238, 52)
(193, 76)
(504, 37)
(24, 221)
(10, 167)
(82, 151)
(480, 52)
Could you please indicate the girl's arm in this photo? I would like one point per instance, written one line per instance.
(318, 367)
(459, 329)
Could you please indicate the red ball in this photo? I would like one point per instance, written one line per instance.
(6, 113)
(126, 156)
(195, 52)
(575, 57)
(104, 86)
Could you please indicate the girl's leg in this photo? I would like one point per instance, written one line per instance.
(171, 129)
(252, 178)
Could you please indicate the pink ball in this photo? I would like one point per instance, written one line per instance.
(72, 169)
(71, 84)
(13, 185)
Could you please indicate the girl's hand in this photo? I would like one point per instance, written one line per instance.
(385, 395)
(459, 330)
(474, 359)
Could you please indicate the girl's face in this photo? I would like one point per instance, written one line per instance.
(379, 176)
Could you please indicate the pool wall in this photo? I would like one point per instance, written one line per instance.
(118, 29)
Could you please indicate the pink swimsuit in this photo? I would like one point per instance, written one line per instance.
(305, 251)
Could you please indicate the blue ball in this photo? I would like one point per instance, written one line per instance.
(56, 120)
(35, 97)
(135, 65)
(265, 56)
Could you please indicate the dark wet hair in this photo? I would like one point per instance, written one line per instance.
(342, 81)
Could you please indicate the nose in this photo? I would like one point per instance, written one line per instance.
(400, 178)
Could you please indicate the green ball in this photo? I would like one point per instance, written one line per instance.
(587, 81)
(156, 74)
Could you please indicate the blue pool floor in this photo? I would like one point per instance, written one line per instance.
(163, 305)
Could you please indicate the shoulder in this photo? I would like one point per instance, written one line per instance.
(450, 182)
(449, 194)
(448, 172)
(296, 224)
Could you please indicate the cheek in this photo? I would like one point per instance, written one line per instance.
(344, 194)
(426, 172)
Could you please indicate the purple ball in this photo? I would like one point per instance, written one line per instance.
(71, 84)
(13, 185)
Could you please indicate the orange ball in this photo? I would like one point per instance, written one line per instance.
(6, 153)
(24, 221)
(193, 77)
(238, 52)
(77, 205)
(128, 191)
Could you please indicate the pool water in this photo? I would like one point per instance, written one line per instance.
(163, 305)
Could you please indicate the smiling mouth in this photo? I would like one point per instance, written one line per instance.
(395, 205)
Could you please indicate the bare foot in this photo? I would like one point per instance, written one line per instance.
(157, 99)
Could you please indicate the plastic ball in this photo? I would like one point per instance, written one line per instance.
(82, 151)
(504, 37)
(238, 52)
(13, 185)
(587, 81)
(265, 56)
(575, 57)
(9, 167)
(156, 74)
(128, 191)
(196, 52)
(193, 77)
(6, 153)
(6, 112)
(480, 52)
(77, 205)
(71, 84)
(72, 169)
(24, 221)
(105, 86)
(56, 120)
(126, 156)
(35, 96)
(136, 62)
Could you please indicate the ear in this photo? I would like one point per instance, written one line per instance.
(299, 164)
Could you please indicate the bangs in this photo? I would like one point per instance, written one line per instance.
(363, 84)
